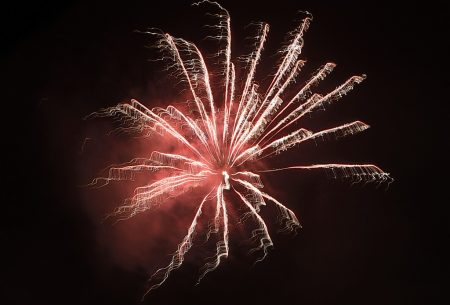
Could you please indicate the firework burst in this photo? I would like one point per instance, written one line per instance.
(222, 146)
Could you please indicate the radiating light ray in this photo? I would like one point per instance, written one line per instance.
(161, 275)
(301, 135)
(314, 102)
(222, 245)
(356, 172)
(219, 147)
(265, 240)
(292, 51)
(305, 92)
(255, 57)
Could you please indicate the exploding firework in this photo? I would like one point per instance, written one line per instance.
(221, 148)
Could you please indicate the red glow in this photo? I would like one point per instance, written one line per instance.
(216, 150)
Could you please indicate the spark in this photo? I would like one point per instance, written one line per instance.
(222, 143)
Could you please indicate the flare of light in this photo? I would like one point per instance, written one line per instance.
(225, 133)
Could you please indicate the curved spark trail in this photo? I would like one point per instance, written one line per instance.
(224, 133)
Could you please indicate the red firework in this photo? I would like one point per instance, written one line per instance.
(221, 146)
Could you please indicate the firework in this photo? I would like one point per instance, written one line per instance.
(225, 133)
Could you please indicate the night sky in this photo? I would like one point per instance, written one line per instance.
(359, 244)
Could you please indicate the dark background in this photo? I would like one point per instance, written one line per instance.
(359, 245)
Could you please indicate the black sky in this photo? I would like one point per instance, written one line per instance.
(359, 245)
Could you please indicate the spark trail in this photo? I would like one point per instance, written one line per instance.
(224, 131)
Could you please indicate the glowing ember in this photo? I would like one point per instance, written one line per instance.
(219, 147)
